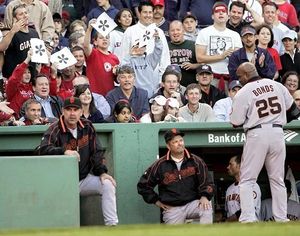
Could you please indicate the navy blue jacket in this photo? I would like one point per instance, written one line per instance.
(97, 11)
(239, 56)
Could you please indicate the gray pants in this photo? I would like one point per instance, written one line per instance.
(178, 215)
(91, 185)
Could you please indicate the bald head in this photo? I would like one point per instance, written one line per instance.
(176, 32)
(79, 80)
(245, 72)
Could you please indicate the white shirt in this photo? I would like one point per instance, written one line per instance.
(222, 109)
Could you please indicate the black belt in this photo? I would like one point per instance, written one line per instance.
(260, 126)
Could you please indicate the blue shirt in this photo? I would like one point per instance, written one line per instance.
(138, 100)
(97, 11)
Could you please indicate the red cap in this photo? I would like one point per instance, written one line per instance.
(219, 6)
(158, 2)
(65, 15)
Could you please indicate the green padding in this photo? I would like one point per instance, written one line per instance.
(38, 192)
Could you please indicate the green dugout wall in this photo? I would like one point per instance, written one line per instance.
(130, 149)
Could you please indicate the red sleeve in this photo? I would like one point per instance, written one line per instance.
(276, 58)
(53, 86)
(292, 18)
(14, 80)
(45, 70)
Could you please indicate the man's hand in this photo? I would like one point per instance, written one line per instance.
(204, 203)
(17, 26)
(227, 53)
(162, 206)
(91, 22)
(73, 153)
(5, 108)
(106, 176)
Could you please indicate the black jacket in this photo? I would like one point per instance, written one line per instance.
(288, 64)
(214, 95)
(58, 138)
(176, 188)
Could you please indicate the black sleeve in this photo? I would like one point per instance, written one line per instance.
(293, 113)
(49, 144)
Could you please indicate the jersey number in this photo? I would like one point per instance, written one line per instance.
(264, 104)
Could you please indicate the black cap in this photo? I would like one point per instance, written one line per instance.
(72, 102)
(204, 68)
(170, 134)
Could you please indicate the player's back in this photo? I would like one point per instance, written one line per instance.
(263, 101)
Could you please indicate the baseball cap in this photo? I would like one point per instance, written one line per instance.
(219, 6)
(72, 102)
(65, 15)
(161, 100)
(233, 84)
(170, 134)
(291, 34)
(158, 2)
(204, 68)
(56, 17)
(173, 102)
(174, 67)
(248, 30)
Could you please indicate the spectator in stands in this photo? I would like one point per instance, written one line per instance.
(236, 13)
(232, 197)
(33, 113)
(100, 101)
(64, 137)
(287, 13)
(158, 15)
(296, 96)
(293, 208)
(133, 33)
(157, 110)
(38, 13)
(191, 31)
(270, 15)
(252, 5)
(103, 6)
(78, 53)
(184, 185)
(137, 97)
(291, 81)
(172, 111)
(169, 88)
(123, 19)
(210, 94)
(223, 107)
(259, 57)
(77, 26)
(51, 105)
(19, 86)
(122, 113)
(194, 111)
(176, 68)
(76, 39)
(67, 75)
(265, 40)
(216, 43)
(89, 110)
(20, 42)
(182, 53)
(290, 60)
(144, 65)
(99, 59)
(200, 9)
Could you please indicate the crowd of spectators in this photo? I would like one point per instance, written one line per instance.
(185, 73)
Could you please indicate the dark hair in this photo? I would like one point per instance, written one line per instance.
(76, 48)
(192, 86)
(237, 159)
(270, 44)
(80, 89)
(238, 4)
(269, 3)
(189, 16)
(16, 7)
(118, 16)
(145, 3)
(34, 79)
(120, 105)
(170, 72)
(287, 74)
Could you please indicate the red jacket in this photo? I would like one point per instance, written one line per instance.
(16, 91)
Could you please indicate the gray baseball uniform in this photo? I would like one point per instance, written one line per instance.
(293, 210)
(260, 106)
(232, 200)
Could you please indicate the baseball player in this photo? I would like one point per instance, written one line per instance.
(293, 207)
(232, 200)
(262, 107)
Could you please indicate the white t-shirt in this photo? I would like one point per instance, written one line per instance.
(216, 42)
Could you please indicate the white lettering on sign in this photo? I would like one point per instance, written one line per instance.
(226, 138)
